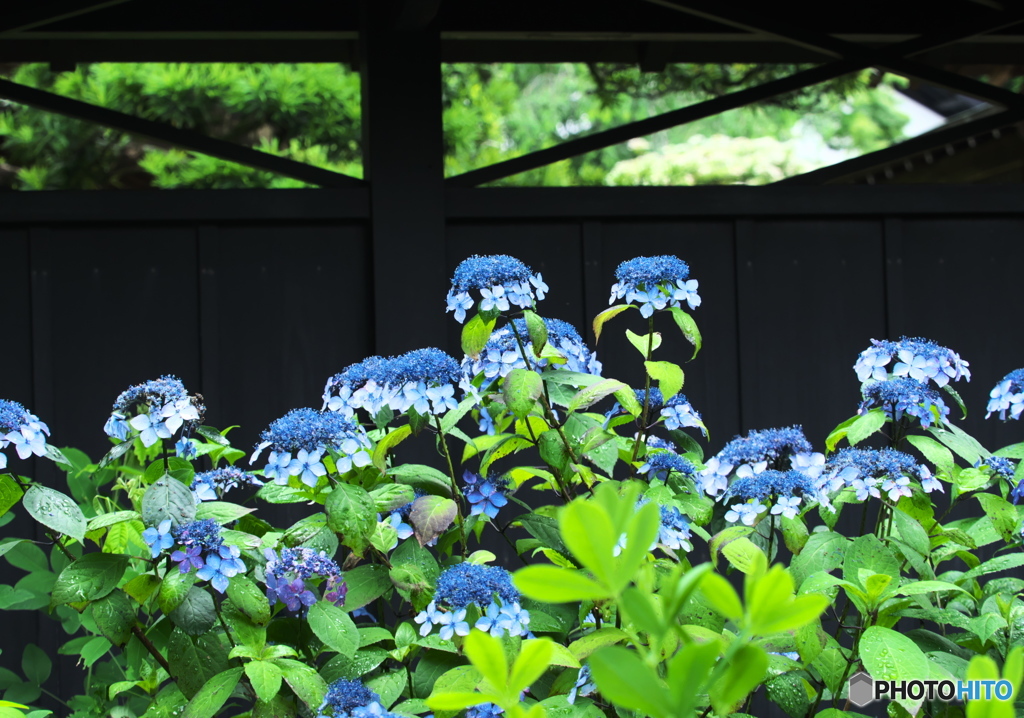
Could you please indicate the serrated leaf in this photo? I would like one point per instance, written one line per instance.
(390, 441)
(475, 334)
(223, 512)
(645, 342)
(249, 599)
(352, 514)
(607, 314)
(116, 517)
(689, 329)
(174, 588)
(365, 583)
(521, 388)
(196, 614)
(389, 497)
(865, 425)
(168, 498)
(431, 516)
(10, 493)
(265, 678)
(334, 627)
(213, 695)
(537, 330)
(55, 510)
(306, 682)
(89, 578)
(592, 394)
(668, 375)
(115, 616)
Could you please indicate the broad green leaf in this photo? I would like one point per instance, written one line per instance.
(508, 445)
(213, 695)
(174, 588)
(91, 577)
(55, 510)
(10, 493)
(389, 685)
(475, 334)
(115, 616)
(1002, 513)
(588, 531)
(622, 677)
(721, 596)
(116, 517)
(488, 657)
(265, 678)
(963, 444)
(195, 661)
(889, 655)
(423, 477)
(334, 627)
(534, 658)
(668, 375)
(994, 565)
(223, 512)
(741, 553)
(142, 587)
(595, 392)
(431, 516)
(865, 425)
(870, 553)
(390, 441)
(604, 316)
(306, 682)
(276, 494)
(744, 672)
(389, 497)
(688, 327)
(168, 498)
(646, 343)
(935, 452)
(249, 599)
(35, 664)
(537, 330)
(521, 389)
(557, 585)
(352, 514)
(196, 614)
(365, 583)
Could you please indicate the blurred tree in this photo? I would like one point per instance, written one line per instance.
(311, 113)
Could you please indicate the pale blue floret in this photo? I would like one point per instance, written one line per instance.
(168, 409)
(1007, 395)
(210, 485)
(22, 429)
(346, 698)
(659, 464)
(501, 280)
(489, 588)
(674, 532)
(655, 283)
(585, 685)
(917, 358)
(158, 538)
(905, 395)
(870, 472)
(485, 496)
(422, 380)
(679, 414)
(299, 439)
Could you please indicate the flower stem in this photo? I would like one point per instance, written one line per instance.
(456, 494)
(647, 394)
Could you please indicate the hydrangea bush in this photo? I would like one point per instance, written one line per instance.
(389, 598)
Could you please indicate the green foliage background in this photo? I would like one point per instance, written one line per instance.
(493, 112)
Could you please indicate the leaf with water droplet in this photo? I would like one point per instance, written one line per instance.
(168, 498)
(91, 577)
(56, 511)
(889, 655)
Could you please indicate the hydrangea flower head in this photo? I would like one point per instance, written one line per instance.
(23, 429)
(913, 357)
(679, 413)
(585, 685)
(905, 396)
(770, 449)
(300, 438)
(210, 485)
(659, 464)
(423, 379)
(485, 496)
(1007, 395)
(502, 282)
(870, 472)
(288, 572)
(489, 588)
(161, 407)
(203, 548)
(351, 699)
(674, 531)
(655, 283)
(783, 490)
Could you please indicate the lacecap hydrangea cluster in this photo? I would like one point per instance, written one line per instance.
(1007, 395)
(299, 440)
(913, 357)
(487, 588)
(198, 546)
(485, 495)
(290, 577)
(423, 380)
(677, 412)
(22, 429)
(212, 485)
(501, 281)
(873, 472)
(903, 396)
(162, 407)
(740, 471)
(347, 698)
(655, 283)
(673, 531)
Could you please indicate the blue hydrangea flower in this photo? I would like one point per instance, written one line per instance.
(501, 280)
(220, 566)
(485, 496)
(211, 485)
(659, 464)
(679, 413)
(203, 548)
(299, 440)
(746, 513)
(188, 559)
(161, 406)
(22, 429)
(288, 572)
(159, 538)
(674, 532)
(585, 685)
(873, 471)
(423, 380)
(913, 357)
(784, 489)
(758, 451)
(655, 283)
(484, 710)
(905, 396)
(1003, 468)
(489, 588)
(1007, 395)
(347, 698)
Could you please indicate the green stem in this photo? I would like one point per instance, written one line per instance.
(647, 393)
(456, 494)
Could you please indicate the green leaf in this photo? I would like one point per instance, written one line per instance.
(431, 516)
(935, 452)
(688, 327)
(390, 441)
(265, 678)
(508, 445)
(195, 661)
(276, 494)
(744, 672)
(557, 585)
(223, 512)
(641, 342)
(488, 657)
(426, 478)
(537, 330)
(475, 334)
(168, 498)
(668, 375)
(604, 316)
(365, 583)
(963, 444)
(624, 679)
(196, 614)
(334, 627)
(865, 425)
(521, 389)
(115, 616)
(249, 599)
(742, 553)
(592, 394)
(174, 588)
(116, 517)
(994, 565)
(389, 686)
(870, 553)
(91, 577)
(213, 695)
(889, 655)
(306, 682)
(389, 497)
(352, 514)
(55, 510)
(114, 454)
(434, 664)
(534, 658)
(838, 434)
(912, 533)
(545, 529)
(721, 596)
(35, 664)
(10, 493)
(1002, 513)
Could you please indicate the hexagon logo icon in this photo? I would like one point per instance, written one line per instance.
(862, 689)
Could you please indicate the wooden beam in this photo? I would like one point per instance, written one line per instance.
(185, 139)
(33, 15)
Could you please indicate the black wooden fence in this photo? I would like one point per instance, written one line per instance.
(255, 298)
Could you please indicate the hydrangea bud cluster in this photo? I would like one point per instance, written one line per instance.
(502, 282)
(22, 429)
(784, 491)
(744, 456)
(162, 407)
(299, 440)
(905, 396)
(289, 577)
(913, 357)
(351, 699)
(655, 283)
(485, 495)
(1007, 395)
(423, 380)
(502, 353)
(872, 472)
(659, 464)
(211, 485)
(488, 588)
(200, 546)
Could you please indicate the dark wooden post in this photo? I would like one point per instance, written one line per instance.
(403, 161)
